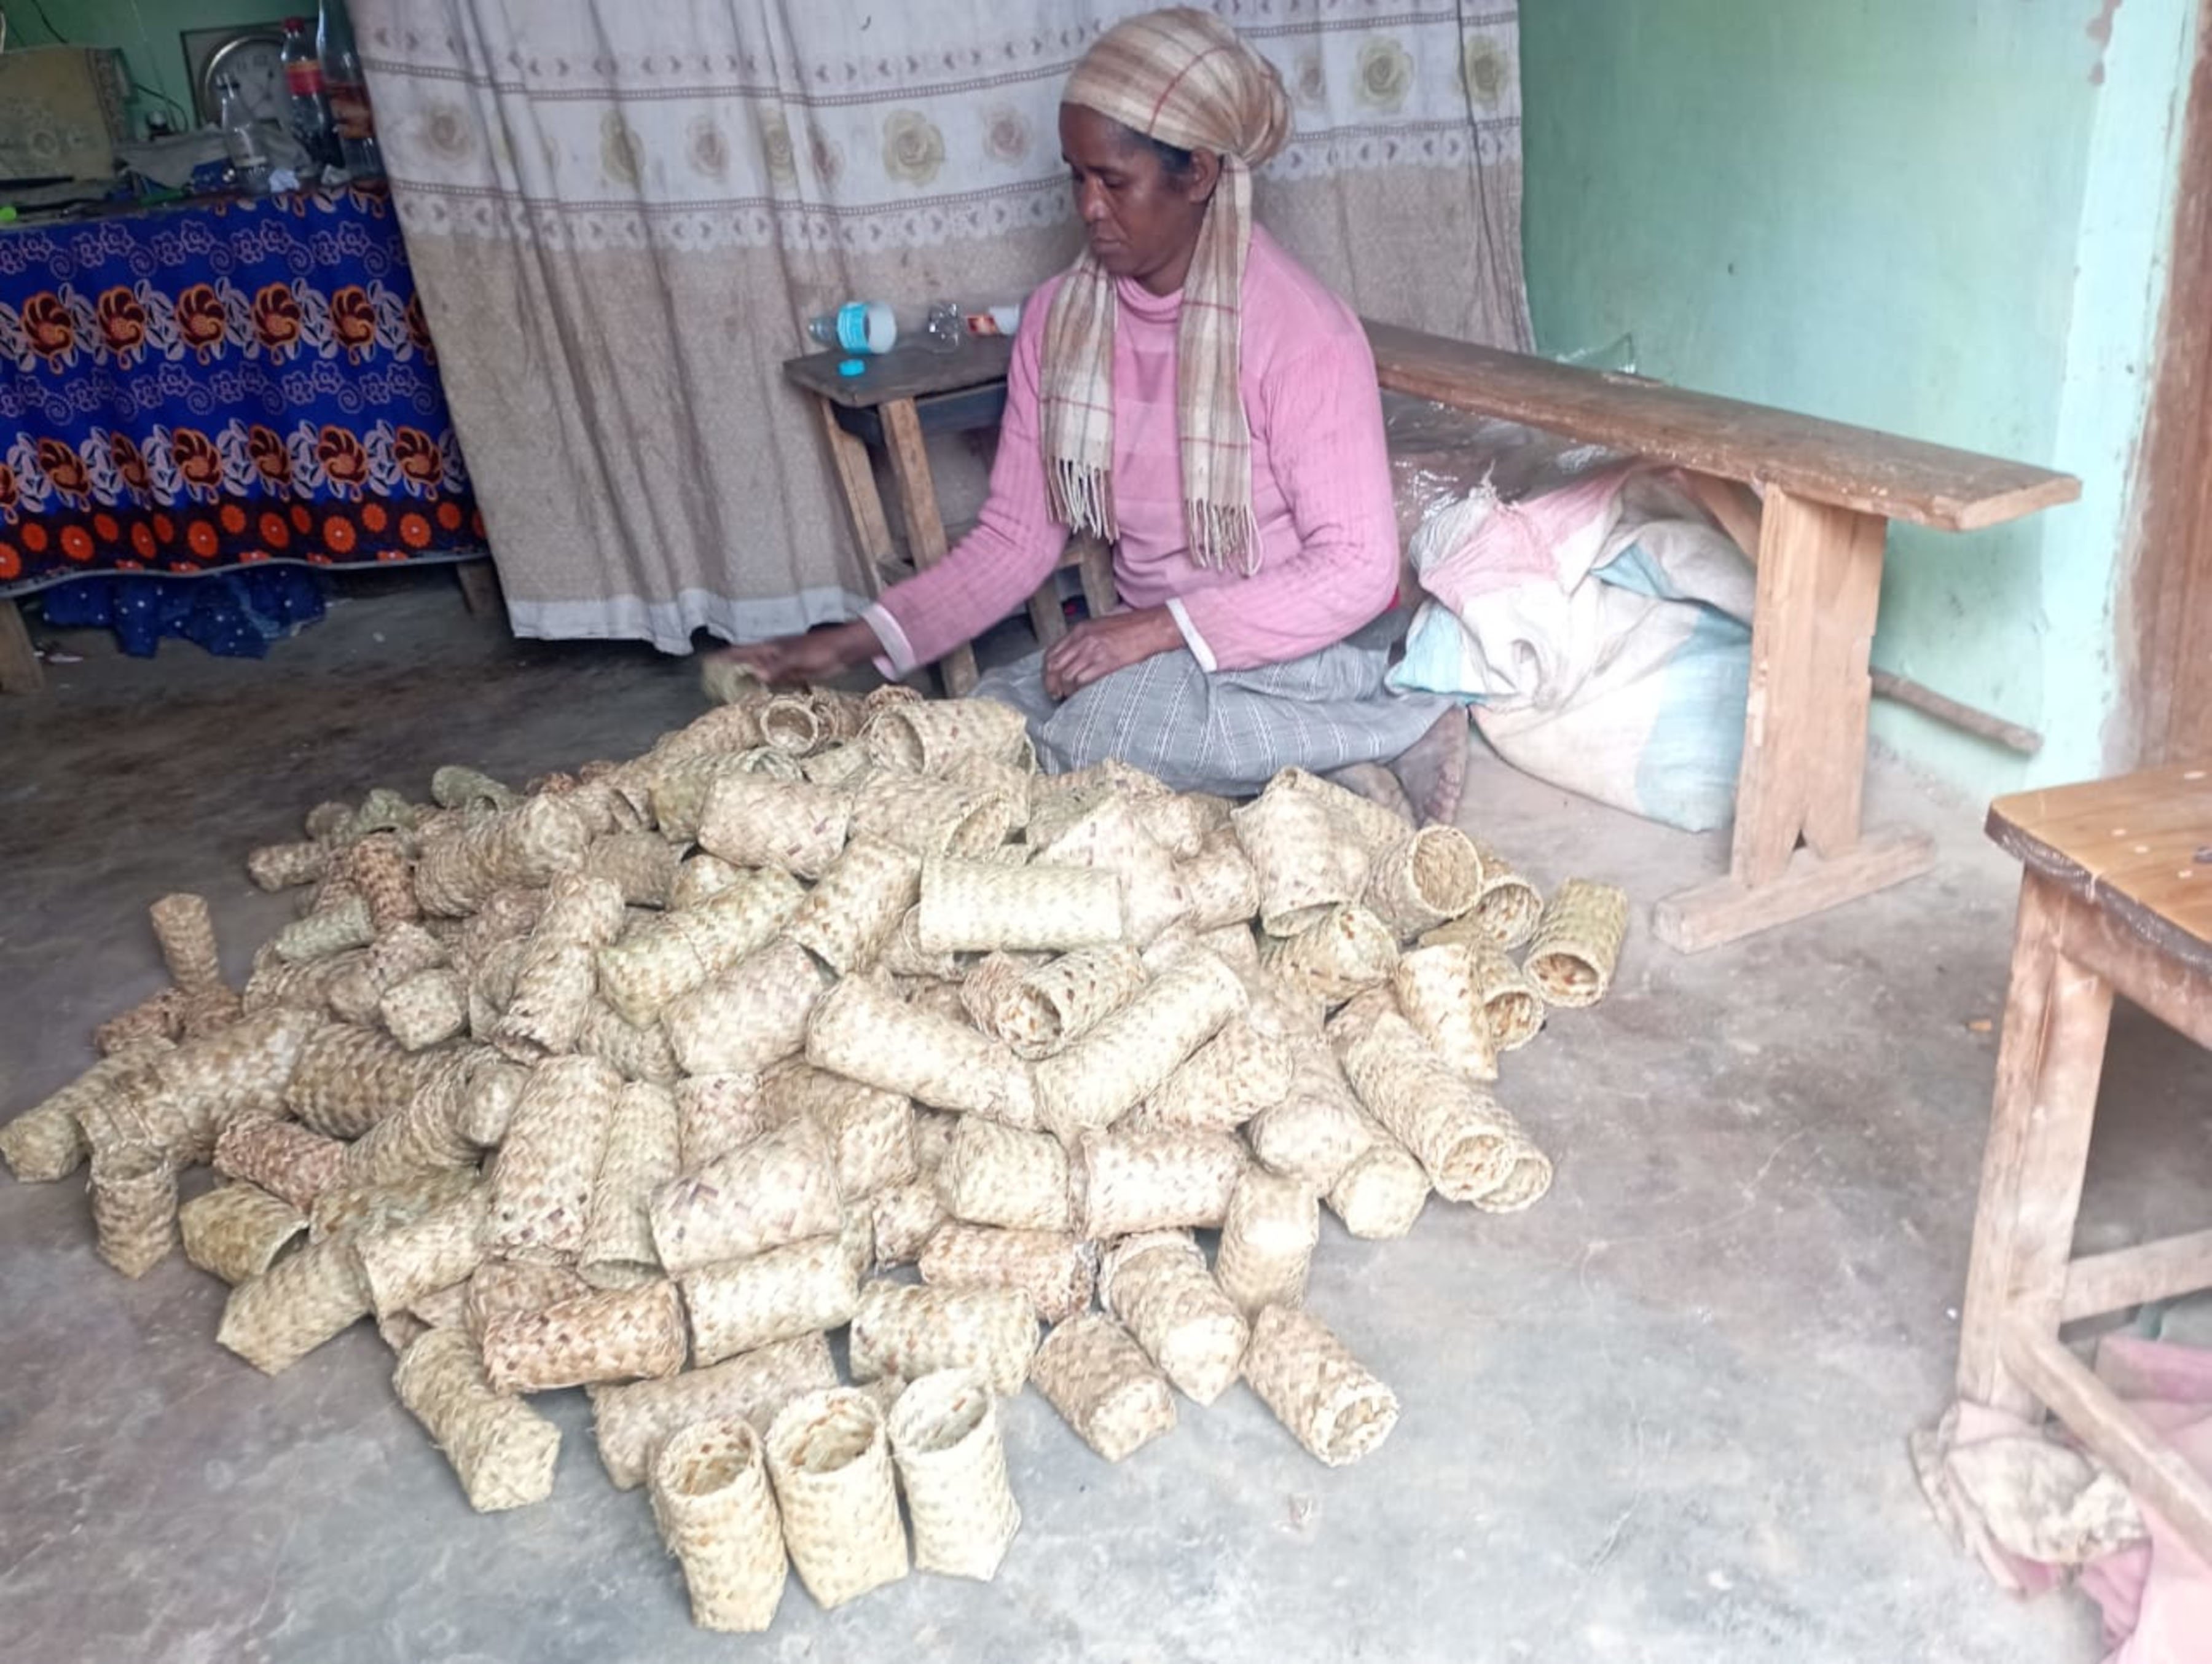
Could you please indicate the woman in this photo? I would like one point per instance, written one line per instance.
(1189, 393)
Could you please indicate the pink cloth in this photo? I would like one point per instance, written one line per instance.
(1321, 487)
(2157, 1596)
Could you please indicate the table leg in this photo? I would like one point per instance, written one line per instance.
(20, 669)
(925, 525)
(1094, 564)
(2049, 1062)
(1046, 618)
(479, 588)
(1804, 752)
(856, 478)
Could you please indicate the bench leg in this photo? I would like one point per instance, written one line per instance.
(856, 479)
(1094, 565)
(925, 525)
(1804, 752)
(2049, 1062)
(479, 588)
(20, 669)
(1046, 618)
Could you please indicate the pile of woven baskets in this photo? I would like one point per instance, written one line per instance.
(648, 1077)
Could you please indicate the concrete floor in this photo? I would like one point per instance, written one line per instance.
(1661, 1416)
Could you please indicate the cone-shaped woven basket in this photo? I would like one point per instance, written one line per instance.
(1008, 781)
(1306, 859)
(236, 1231)
(1506, 915)
(781, 1188)
(862, 1029)
(643, 1153)
(611, 1334)
(908, 1332)
(1093, 1371)
(749, 1016)
(830, 1459)
(501, 1450)
(347, 1079)
(402, 951)
(952, 1466)
(634, 1052)
(1001, 1175)
(349, 1212)
(426, 1009)
(1473, 1150)
(554, 987)
(1130, 1053)
(1181, 822)
(1424, 879)
(903, 955)
(276, 866)
(1054, 1270)
(1158, 1286)
(158, 1018)
(641, 865)
(846, 918)
(541, 1185)
(379, 868)
(1327, 1398)
(184, 930)
(1317, 1132)
(740, 1305)
(629, 1423)
(716, 1514)
(46, 1142)
(1577, 944)
(1267, 1242)
(792, 826)
(330, 930)
(981, 907)
(1437, 994)
(1348, 951)
(1512, 1007)
(1380, 1194)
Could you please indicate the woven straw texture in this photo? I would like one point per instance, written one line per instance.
(844, 767)
(908, 1332)
(134, 1208)
(1053, 1270)
(1473, 1150)
(629, 1423)
(185, 931)
(1001, 1176)
(643, 1152)
(1223, 884)
(678, 788)
(328, 930)
(439, 1251)
(1109, 838)
(633, 1052)
(1380, 1194)
(487, 1105)
(402, 951)
(1158, 1286)
(865, 1031)
(641, 866)
(349, 1079)
(927, 817)
(1306, 859)
(524, 846)
(739, 1305)
(1226, 1082)
(426, 1008)
(1508, 913)
(1512, 1008)
(499, 1286)
(792, 826)
(1348, 949)
(830, 1459)
(1181, 822)
(712, 1502)
(1133, 1180)
(1375, 827)
(662, 958)
(541, 1184)
(716, 1114)
(276, 866)
(952, 1466)
(283, 1158)
(1317, 1388)
(554, 985)
(904, 1219)
(455, 785)
(1093, 1371)
(1577, 944)
(1130, 1053)
(501, 1450)
(1056, 1005)
(1007, 781)
(159, 1017)
(980, 907)
(781, 1188)
(749, 1016)
(347, 1213)
(904, 955)
(1317, 1132)
(303, 1300)
(846, 918)
(613, 1334)
(1424, 879)
(928, 736)
(1267, 1242)
(236, 1231)
(870, 1132)
(46, 1142)
(1437, 994)
(377, 867)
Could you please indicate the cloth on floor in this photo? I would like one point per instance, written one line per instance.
(233, 615)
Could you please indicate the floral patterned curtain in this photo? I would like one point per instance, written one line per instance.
(621, 211)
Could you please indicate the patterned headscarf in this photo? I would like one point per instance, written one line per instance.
(1184, 78)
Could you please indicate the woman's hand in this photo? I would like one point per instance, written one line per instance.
(814, 657)
(1096, 648)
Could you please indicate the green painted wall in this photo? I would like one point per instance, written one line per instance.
(1945, 218)
(146, 32)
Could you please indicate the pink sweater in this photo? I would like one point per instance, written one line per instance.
(1321, 484)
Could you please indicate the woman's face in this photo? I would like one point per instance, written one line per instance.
(1142, 220)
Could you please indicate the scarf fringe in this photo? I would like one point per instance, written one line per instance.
(1082, 497)
(1222, 535)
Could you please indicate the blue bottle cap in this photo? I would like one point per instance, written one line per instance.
(853, 367)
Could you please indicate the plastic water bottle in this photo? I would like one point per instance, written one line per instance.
(249, 162)
(856, 326)
(348, 92)
(307, 107)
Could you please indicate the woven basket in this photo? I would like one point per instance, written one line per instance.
(989, 994)
(862, 1029)
(629, 1423)
(347, 1079)
(929, 736)
(425, 1009)
(678, 787)
(499, 1286)
(1008, 781)
(1267, 1242)
(952, 1466)
(641, 866)
(353, 992)
(1053, 1270)
(791, 724)
(781, 1188)
(236, 1231)
(349, 1212)
(925, 815)
(1000, 1176)
(830, 1459)
(1223, 884)
(501, 1450)
(184, 930)
(1380, 1194)
(663, 958)
(751, 1015)
(712, 1503)
(541, 1185)
(613, 1334)
(1306, 859)
(1436, 992)
(276, 866)
(1181, 822)
(1130, 1053)
(554, 985)
(870, 1132)
(1128, 1180)
(1317, 1132)
(277, 1318)
(635, 1053)
(1506, 914)
(981, 907)
(281, 1158)
(904, 1219)
(716, 1114)
(1424, 879)
(644, 1151)
(1238, 944)
(332, 929)
(457, 787)
(448, 1308)
(400, 952)
(842, 767)
(904, 955)
(191, 1092)
(1327, 1398)
(1348, 949)
(439, 1251)
(908, 1332)
(1108, 837)
(379, 869)
(46, 1142)
(159, 1017)
(134, 1208)
(1057, 1004)
(1512, 1008)
(846, 918)
(740, 1305)
(1158, 1286)
(1577, 944)
(1226, 1082)
(1473, 1150)
(750, 820)
(1093, 1371)
(488, 1104)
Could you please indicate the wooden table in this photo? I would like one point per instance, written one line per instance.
(2115, 898)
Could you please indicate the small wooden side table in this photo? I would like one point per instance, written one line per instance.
(2115, 898)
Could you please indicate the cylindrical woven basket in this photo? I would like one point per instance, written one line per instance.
(501, 1450)
(711, 1500)
(134, 1208)
(781, 1188)
(1424, 879)
(1507, 914)
(1158, 1286)
(46, 1142)
(660, 959)
(1226, 1082)
(926, 816)
(276, 866)
(792, 826)
(990, 993)
(1317, 1132)
(1473, 1150)
(1093, 1371)
(1306, 860)
(981, 907)
(679, 786)
(277, 1318)
(699, 879)
(1577, 944)
(353, 990)
(1108, 837)
(1223, 884)
(501, 1286)
(739, 1305)
(1436, 992)
(716, 1114)
(830, 1459)
(862, 1029)
(347, 1079)
(929, 736)
(184, 930)
(455, 786)
(400, 952)
(1267, 1242)
(613, 1334)
(426, 1008)
(1056, 1005)
(1129, 1054)
(903, 955)
(839, 767)
(904, 1219)
(332, 929)
(1327, 1398)
(749, 1016)
(487, 1104)
(439, 1251)
(629, 1423)
(635, 1053)
(870, 1132)
(541, 1185)
(908, 1332)
(1008, 781)
(1135, 1180)
(1052, 1268)
(159, 1017)
(952, 1466)
(553, 987)
(1001, 1176)
(236, 1231)
(641, 866)
(1349, 950)
(349, 1212)
(281, 1156)
(1380, 1194)
(1181, 822)
(379, 868)
(846, 918)
(644, 1151)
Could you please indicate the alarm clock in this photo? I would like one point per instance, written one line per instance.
(252, 54)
